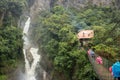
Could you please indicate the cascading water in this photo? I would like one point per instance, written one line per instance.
(30, 61)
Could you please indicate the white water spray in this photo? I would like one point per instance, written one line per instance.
(29, 69)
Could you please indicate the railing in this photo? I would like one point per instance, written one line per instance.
(102, 70)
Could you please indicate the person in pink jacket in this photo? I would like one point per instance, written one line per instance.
(99, 60)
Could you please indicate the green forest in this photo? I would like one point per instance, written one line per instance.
(11, 42)
(56, 33)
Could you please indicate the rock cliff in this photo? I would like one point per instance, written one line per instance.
(38, 5)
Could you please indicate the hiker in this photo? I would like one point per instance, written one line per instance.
(99, 60)
(110, 69)
(116, 70)
(92, 53)
(88, 52)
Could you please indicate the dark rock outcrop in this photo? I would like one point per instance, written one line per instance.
(29, 56)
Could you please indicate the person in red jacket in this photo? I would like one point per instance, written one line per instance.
(110, 69)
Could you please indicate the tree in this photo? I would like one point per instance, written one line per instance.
(10, 12)
(10, 48)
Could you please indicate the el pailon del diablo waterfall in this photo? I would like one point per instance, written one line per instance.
(31, 55)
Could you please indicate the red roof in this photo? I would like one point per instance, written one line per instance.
(85, 34)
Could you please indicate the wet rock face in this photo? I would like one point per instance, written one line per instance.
(29, 56)
(45, 68)
(38, 6)
(117, 3)
(30, 2)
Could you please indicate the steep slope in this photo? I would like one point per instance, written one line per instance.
(39, 5)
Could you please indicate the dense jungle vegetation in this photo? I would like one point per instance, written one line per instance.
(56, 32)
(10, 36)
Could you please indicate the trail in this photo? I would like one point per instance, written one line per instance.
(102, 72)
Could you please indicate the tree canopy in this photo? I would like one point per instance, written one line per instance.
(11, 42)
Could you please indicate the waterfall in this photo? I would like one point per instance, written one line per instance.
(30, 54)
